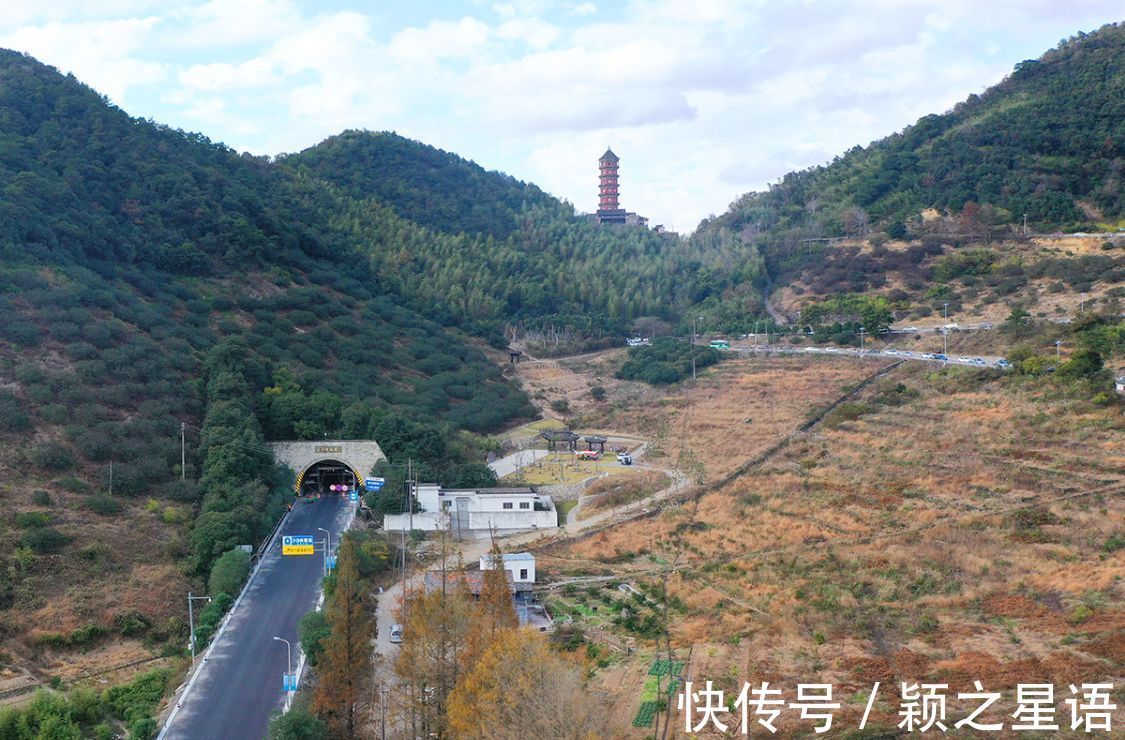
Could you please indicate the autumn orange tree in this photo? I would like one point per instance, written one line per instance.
(435, 635)
(495, 612)
(522, 688)
(343, 667)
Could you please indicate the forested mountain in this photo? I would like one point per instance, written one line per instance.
(150, 278)
(1048, 142)
(420, 183)
(481, 250)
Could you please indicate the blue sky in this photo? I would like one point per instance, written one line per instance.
(702, 99)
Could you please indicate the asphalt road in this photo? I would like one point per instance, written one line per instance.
(513, 462)
(969, 361)
(240, 684)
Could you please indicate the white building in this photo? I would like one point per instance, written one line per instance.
(520, 564)
(467, 510)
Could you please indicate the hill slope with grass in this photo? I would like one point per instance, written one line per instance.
(934, 215)
(1048, 141)
(150, 277)
(484, 251)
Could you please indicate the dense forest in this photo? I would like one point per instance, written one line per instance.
(151, 278)
(481, 250)
(1048, 142)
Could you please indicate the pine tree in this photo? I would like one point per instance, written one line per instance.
(345, 663)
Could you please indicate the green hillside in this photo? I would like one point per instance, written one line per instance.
(482, 251)
(422, 184)
(150, 277)
(1048, 142)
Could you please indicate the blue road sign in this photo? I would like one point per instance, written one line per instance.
(353, 497)
(297, 544)
(289, 681)
(373, 484)
(331, 562)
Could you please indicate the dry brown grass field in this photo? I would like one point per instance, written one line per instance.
(1044, 297)
(119, 563)
(943, 526)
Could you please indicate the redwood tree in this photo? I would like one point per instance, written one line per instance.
(344, 665)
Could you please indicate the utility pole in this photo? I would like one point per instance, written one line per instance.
(1025, 224)
(861, 345)
(383, 712)
(183, 450)
(1058, 351)
(191, 619)
(693, 368)
(945, 333)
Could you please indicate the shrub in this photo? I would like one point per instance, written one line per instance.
(297, 724)
(313, 630)
(41, 498)
(103, 504)
(72, 484)
(137, 700)
(182, 490)
(209, 617)
(12, 417)
(598, 393)
(131, 623)
(31, 519)
(228, 572)
(44, 540)
(51, 456)
(143, 729)
(561, 406)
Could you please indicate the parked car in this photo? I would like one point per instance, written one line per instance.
(396, 633)
(625, 459)
(586, 454)
(1003, 363)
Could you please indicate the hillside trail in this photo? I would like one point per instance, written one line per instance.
(780, 318)
(679, 482)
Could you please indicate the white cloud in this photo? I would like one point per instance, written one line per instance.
(536, 33)
(438, 41)
(703, 99)
(218, 23)
(220, 76)
(96, 52)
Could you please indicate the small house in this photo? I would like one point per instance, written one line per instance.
(520, 564)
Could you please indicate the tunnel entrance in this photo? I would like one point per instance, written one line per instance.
(327, 476)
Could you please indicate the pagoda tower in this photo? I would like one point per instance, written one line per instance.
(607, 182)
(609, 209)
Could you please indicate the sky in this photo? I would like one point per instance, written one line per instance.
(703, 100)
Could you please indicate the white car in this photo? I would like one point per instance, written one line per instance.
(964, 359)
(396, 633)
(892, 352)
(810, 349)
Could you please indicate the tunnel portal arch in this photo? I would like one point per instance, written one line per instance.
(326, 459)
